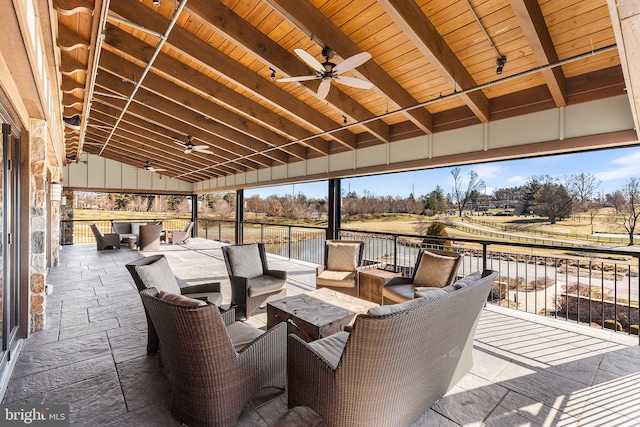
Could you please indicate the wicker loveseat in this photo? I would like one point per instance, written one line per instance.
(397, 361)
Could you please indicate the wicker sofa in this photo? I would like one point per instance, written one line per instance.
(397, 361)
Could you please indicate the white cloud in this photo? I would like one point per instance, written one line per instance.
(621, 168)
(488, 171)
(516, 180)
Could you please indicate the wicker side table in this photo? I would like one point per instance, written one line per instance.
(372, 281)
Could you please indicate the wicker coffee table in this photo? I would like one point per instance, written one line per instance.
(316, 314)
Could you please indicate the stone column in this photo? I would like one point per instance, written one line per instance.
(66, 213)
(37, 223)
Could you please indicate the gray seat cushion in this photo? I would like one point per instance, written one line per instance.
(242, 334)
(331, 347)
(264, 285)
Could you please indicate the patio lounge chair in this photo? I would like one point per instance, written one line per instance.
(103, 241)
(434, 268)
(397, 361)
(154, 272)
(252, 282)
(343, 259)
(180, 237)
(215, 363)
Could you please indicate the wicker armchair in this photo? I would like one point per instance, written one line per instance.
(342, 262)
(154, 272)
(180, 237)
(397, 361)
(212, 378)
(149, 239)
(434, 268)
(252, 282)
(103, 241)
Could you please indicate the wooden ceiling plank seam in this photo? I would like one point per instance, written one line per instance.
(307, 16)
(424, 35)
(168, 105)
(275, 56)
(535, 30)
(148, 138)
(188, 76)
(157, 122)
(189, 128)
(161, 87)
(135, 148)
(200, 51)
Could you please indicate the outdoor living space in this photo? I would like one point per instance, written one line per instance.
(528, 370)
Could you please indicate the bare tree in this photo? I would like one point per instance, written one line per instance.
(581, 187)
(617, 200)
(461, 196)
(630, 211)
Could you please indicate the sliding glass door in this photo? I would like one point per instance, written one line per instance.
(9, 291)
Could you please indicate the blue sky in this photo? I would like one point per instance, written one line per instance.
(611, 167)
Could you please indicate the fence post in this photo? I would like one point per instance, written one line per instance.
(395, 253)
(484, 256)
(289, 243)
(261, 232)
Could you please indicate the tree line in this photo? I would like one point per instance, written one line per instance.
(542, 195)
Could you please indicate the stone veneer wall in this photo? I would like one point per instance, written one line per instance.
(66, 214)
(37, 224)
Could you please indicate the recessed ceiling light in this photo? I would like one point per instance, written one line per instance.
(156, 3)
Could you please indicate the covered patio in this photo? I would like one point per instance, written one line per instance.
(528, 369)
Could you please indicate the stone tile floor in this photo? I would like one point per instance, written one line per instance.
(528, 370)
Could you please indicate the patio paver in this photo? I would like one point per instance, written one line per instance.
(529, 370)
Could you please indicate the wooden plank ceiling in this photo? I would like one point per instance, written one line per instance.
(212, 76)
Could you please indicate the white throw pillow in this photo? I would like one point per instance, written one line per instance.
(342, 256)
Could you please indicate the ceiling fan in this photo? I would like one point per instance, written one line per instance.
(328, 70)
(150, 168)
(189, 147)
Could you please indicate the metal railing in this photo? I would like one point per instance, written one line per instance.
(586, 284)
(76, 231)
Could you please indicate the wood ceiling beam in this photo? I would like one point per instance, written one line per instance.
(182, 74)
(307, 16)
(223, 20)
(166, 144)
(238, 142)
(207, 56)
(69, 65)
(423, 34)
(160, 118)
(133, 147)
(535, 30)
(147, 125)
(159, 86)
(120, 154)
(69, 39)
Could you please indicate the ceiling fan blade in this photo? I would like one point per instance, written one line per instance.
(353, 82)
(352, 62)
(202, 150)
(323, 89)
(310, 60)
(297, 79)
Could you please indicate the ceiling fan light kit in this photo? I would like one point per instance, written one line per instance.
(328, 71)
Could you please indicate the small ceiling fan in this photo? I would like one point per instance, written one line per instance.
(328, 70)
(150, 168)
(189, 147)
